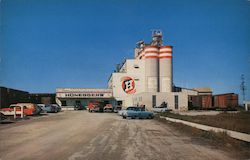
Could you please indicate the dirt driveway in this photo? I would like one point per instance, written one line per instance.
(73, 135)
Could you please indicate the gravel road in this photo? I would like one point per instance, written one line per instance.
(75, 135)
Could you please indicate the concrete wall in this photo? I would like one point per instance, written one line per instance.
(136, 70)
(146, 99)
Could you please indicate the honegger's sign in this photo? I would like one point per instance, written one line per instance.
(83, 93)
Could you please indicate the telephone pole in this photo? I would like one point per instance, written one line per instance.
(243, 87)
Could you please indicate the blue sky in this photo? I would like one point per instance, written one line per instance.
(47, 44)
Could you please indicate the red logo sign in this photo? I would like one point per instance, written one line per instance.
(128, 85)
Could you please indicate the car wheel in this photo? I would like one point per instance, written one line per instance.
(124, 117)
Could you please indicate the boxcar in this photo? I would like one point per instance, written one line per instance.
(225, 101)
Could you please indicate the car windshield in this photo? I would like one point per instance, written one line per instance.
(131, 108)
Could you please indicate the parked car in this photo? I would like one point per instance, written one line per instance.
(79, 107)
(108, 108)
(124, 110)
(42, 106)
(38, 110)
(117, 109)
(49, 108)
(3, 117)
(28, 108)
(160, 109)
(95, 107)
(138, 113)
(58, 108)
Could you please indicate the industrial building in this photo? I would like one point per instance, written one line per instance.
(44, 98)
(148, 78)
(67, 98)
(145, 80)
(10, 96)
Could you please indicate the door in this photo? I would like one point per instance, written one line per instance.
(176, 102)
(153, 101)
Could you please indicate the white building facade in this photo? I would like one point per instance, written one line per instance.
(147, 79)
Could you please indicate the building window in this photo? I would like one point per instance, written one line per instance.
(176, 102)
(64, 103)
(78, 102)
(136, 66)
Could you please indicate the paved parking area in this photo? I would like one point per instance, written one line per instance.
(74, 135)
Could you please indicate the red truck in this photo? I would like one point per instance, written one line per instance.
(95, 107)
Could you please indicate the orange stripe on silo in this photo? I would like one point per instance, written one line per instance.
(165, 57)
(165, 52)
(148, 57)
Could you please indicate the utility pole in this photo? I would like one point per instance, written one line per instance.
(243, 87)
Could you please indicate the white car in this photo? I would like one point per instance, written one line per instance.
(160, 109)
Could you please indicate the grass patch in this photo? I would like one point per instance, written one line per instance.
(221, 141)
(232, 121)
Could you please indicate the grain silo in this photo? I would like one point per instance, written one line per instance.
(151, 68)
(165, 68)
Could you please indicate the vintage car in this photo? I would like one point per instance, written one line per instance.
(117, 109)
(2, 116)
(108, 108)
(95, 107)
(162, 108)
(79, 107)
(48, 108)
(138, 113)
(28, 109)
(124, 110)
(58, 108)
(42, 106)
